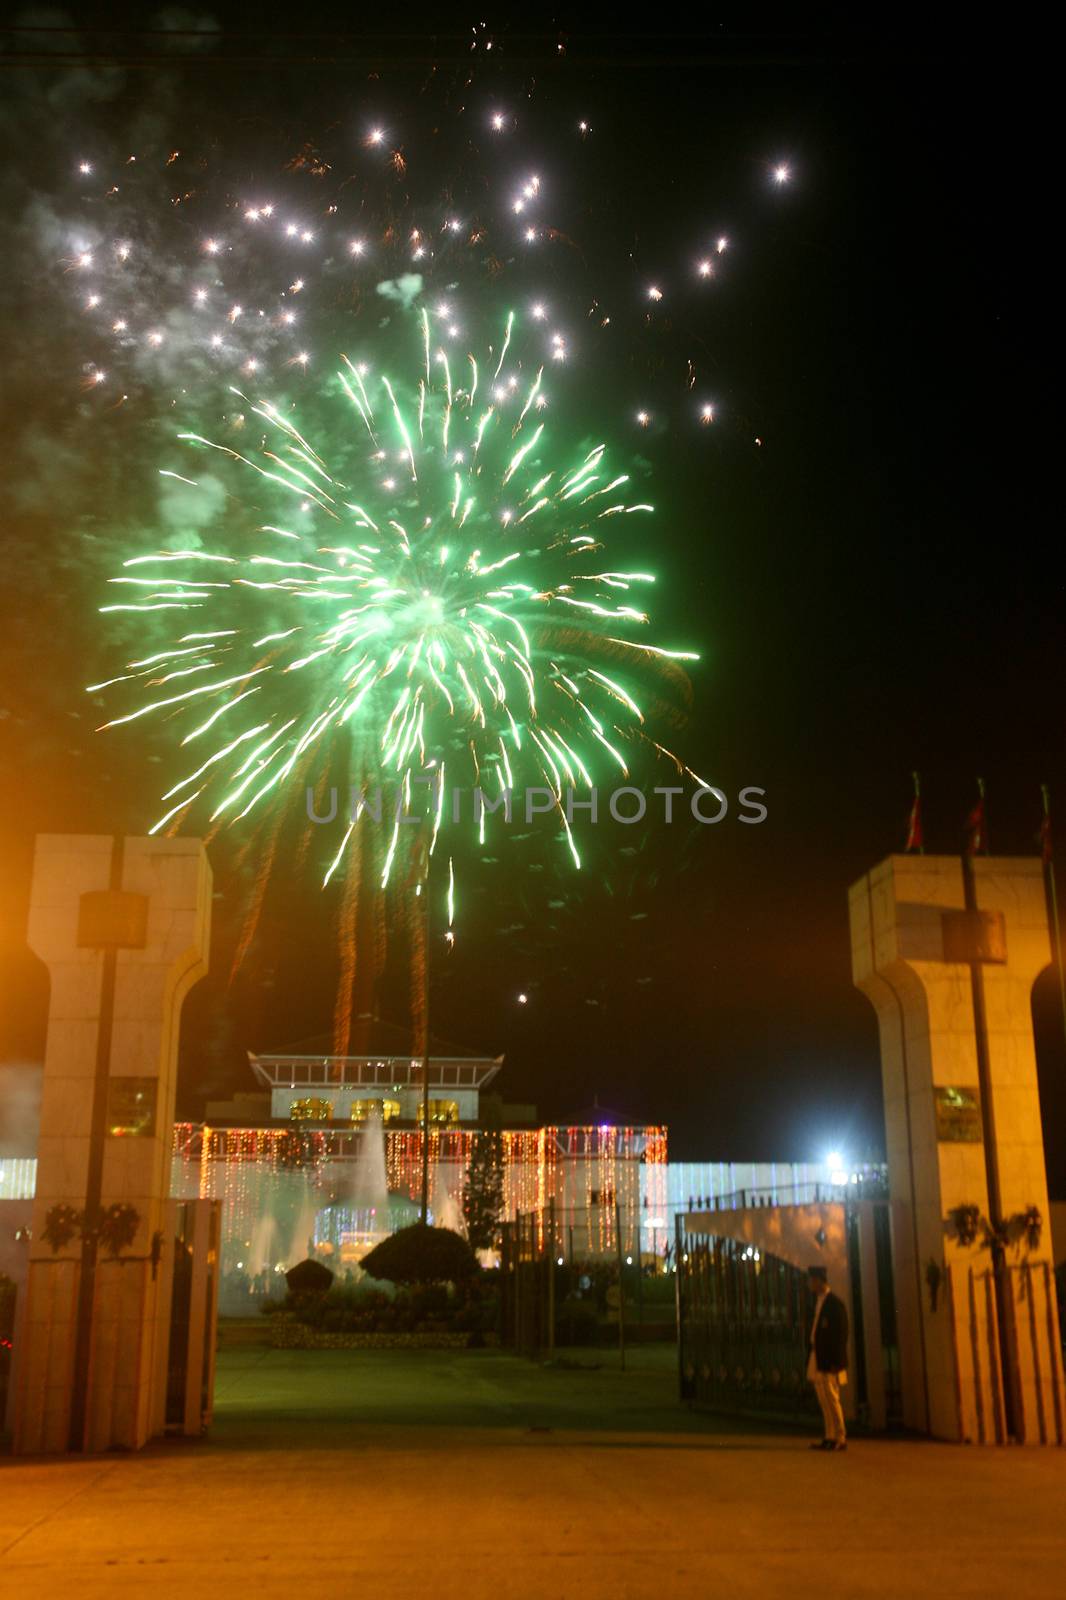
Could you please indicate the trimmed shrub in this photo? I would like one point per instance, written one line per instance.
(576, 1322)
(308, 1278)
(420, 1254)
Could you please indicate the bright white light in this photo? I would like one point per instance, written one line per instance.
(706, 413)
(723, 244)
(375, 136)
(655, 293)
(705, 269)
(539, 313)
(523, 999)
(357, 247)
(782, 173)
(643, 417)
(498, 120)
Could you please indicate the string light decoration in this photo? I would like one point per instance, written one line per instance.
(274, 1181)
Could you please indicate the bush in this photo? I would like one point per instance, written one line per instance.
(661, 1290)
(419, 1308)
(308, 1277)
(420, 1254)
(576, 1322)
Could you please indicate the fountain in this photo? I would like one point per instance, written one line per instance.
(302, 1240)
(260, 1256)
(359, 1213)
(447, 1212)
(369, 1191)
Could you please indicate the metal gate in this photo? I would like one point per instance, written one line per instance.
(527, 1284)
(743, 1319)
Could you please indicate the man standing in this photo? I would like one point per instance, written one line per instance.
(828, 1358)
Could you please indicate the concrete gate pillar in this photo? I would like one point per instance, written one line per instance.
(123, 928)
(949, 968)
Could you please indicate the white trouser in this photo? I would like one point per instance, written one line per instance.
(827, 1389)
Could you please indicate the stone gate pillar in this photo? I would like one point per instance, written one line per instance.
(122, 926)
(951, 983)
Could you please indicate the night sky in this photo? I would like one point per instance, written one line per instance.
(873, 587)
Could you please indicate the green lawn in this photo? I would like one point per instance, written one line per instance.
(258, 1389)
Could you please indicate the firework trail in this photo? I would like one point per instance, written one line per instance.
(429, 598)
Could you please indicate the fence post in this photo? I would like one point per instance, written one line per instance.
(621, 1284)
(679, 1304)
(551, 1279)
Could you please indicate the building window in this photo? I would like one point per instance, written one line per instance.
(310, 1109)
(444, 1111)
(361, 1109)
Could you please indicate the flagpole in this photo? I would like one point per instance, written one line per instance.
(1052, 899)
(977, 844)
(915, 833)
(983, 840)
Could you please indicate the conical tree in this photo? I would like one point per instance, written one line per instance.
(483, 1190)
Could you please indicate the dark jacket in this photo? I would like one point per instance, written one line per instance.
(831, 1335)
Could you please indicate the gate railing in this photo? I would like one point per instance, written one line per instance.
(743, 1321)
(527, 1283)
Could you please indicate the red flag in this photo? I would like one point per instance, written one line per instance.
(976, 828)
(915, 837)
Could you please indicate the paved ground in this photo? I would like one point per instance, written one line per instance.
(415, 1474)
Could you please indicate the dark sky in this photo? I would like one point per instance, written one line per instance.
(874, 587)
